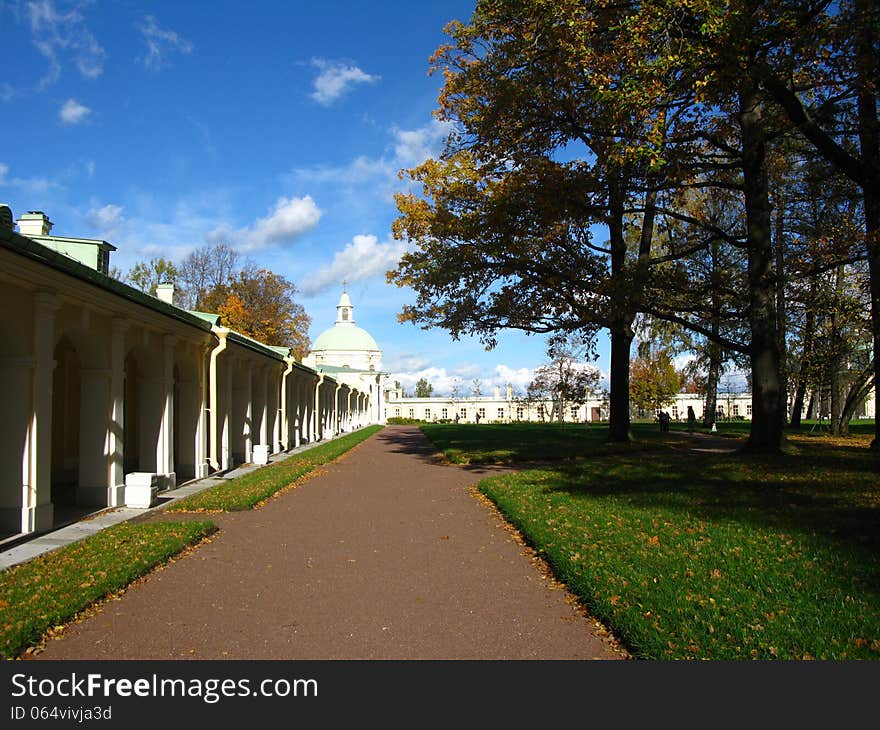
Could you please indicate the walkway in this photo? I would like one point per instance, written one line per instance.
(386, 554)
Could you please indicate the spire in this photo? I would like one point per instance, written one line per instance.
(345, 309)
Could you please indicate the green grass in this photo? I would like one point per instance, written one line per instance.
(687, 555)
(249, 490)
(514, 442)
(51, 589)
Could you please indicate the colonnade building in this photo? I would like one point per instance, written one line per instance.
(111, 395)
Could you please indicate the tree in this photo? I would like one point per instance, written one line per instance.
(565, 380)
(423, 388)
(146, 276)
(654, 381)
(826, 83)
(205, 270)
(476, 388)
(504, 228)
(260, 304)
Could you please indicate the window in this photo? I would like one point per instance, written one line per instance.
(719, 412)
(444, 412)
(574, 413)
(735, 409)
(427, 414)
(344, 315)
(482, 412)
(500, 414)
(464, 412)
(749, 410)
(397, 412)
(675, 411)
(519, 413)
(412, 412)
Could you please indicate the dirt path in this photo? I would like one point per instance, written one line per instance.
(384, 555)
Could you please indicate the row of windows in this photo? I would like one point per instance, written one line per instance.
(481, 412)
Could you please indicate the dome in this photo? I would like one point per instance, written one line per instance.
(344, 338)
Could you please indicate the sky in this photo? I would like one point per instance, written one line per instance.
(276, 127)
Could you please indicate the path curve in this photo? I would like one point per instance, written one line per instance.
(385, 554)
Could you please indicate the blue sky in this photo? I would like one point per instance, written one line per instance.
(278, 127)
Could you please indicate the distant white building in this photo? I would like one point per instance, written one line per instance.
(349, 355)
(508, 408)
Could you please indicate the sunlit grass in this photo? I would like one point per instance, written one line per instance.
(51, 589)
(690, 555)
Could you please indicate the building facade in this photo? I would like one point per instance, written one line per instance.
(349, 354)
(507, 407)
(112, 395)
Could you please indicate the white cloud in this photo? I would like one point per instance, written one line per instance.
(407, 148)
(72, 112)
(463, 375)
(361, 259)
(335, 79)
(161, 43)
(291, 218)
(106, 218)
(63, 36)
(3, 170)
(414, 146)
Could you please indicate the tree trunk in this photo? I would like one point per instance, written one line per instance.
(619, 420)
(811, 407)
(621, 320)
(858, 391)
(768, 393)
(779, 244)
(869, 148)
(806, 361)
(835, 364)
(714, 375)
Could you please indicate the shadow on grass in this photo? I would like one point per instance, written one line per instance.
(785, 493)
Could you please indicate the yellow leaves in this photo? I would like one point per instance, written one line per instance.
(653, 541)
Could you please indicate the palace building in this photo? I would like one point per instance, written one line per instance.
(112, 395)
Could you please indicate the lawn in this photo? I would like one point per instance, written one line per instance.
(51, 589)
(694, 555)
(515, 442)
(253, 488)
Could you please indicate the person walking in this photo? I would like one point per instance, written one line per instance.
(692, 419)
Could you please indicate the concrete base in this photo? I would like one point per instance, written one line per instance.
(203, 470)
(261, 454)
(142, 487)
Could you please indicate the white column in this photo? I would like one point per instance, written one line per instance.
(37, 510)
(263, 384)
(225, 444)
(165, 444)
(249, 416)
(201, 448)
(115, 434)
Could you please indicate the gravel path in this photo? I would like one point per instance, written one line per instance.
(385, 554)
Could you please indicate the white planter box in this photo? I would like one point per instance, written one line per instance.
(261, 454)
(141, 488)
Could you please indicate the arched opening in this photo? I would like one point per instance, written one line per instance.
(66, 388)
(185, 417)
(16, 376)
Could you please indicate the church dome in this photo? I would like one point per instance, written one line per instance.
(345, 338)
(344, 335)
